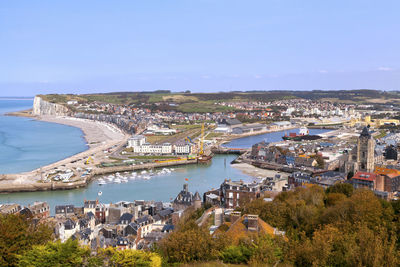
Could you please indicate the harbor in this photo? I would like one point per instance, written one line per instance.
(152, 180)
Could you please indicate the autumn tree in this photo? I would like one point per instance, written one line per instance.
(134, 258)
(18, 234)
(344, 188)
(55, 254)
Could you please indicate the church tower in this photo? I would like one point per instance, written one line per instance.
(365, 151)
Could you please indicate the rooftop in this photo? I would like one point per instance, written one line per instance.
(367, 176)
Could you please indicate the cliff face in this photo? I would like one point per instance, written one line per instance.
(42, 107)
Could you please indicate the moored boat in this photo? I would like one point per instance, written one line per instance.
(304, 134)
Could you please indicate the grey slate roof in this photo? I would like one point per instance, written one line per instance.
(365, 133)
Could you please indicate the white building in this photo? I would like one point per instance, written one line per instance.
(136, 140)
(154, 129)
(72, 102)
(221, 128)
(182, 148)
(67, 229)
(147, 148)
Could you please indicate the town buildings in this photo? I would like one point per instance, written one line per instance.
(140, 146)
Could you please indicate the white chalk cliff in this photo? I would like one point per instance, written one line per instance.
(42, 107)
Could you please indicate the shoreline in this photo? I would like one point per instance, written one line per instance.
(22, 113)
(229, 138)
(255, 172)
(99, 137)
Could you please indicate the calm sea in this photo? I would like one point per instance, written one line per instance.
(27, 144)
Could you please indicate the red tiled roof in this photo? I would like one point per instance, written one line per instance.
(368, 176)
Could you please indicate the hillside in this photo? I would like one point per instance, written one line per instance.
(206, 102)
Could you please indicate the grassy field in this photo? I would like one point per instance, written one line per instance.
(186, 127)
(213, 135)
(185, 130)
(203, 107)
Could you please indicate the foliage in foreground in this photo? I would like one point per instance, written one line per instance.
(72, 254)
(17, 235)
(337, 227)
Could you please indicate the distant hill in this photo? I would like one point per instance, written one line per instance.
(205, 102)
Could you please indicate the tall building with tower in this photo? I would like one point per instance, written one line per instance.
(362, 157)
(365, 151)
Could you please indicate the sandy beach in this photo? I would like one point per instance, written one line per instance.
(257, 172)
(100, 137)
(94, 132)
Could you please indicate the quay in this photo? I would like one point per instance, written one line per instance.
(50, 186)
(228, 150)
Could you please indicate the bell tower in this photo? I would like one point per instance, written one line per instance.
(365, 151)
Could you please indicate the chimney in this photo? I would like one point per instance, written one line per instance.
(186, 188)
(235, 215)
(252, 222)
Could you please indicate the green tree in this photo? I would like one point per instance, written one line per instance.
(18, 234)
(236, 254)
(343, 188)
(56, 254)
(133, 258)
(266, 250)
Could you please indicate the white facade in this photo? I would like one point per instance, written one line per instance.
(136, 140)
(147, 148)
(222, 129)
(182, 149)
(154, 129)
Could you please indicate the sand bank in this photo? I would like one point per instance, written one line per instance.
(257, 172)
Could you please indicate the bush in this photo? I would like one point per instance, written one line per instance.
(236, 254)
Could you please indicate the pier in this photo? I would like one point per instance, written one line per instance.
(229, 150)
(42, 186)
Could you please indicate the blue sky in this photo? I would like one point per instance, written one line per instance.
(199, 45)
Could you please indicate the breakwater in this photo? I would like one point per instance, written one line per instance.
(41, 186)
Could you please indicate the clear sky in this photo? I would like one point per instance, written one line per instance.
(87, 46)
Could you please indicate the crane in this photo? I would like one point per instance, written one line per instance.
(89, 159)
(202, 140)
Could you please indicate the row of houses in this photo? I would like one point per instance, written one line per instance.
(123, 225)
(232, 194)
(383, 181)
(37, 210)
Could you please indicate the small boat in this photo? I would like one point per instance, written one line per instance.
(143, 172)
(304, 134)
(204, 159)
(99, 193)
(117, 180)
(101, 182)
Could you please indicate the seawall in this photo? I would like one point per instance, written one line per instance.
(38, 186)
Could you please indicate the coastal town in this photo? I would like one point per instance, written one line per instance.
(357, 145)
(199, 133)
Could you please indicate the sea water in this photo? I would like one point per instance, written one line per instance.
(27, 144)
